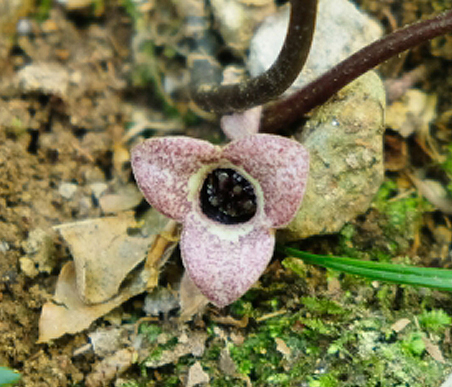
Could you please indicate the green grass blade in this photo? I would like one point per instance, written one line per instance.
(8, 376)
(408, 275)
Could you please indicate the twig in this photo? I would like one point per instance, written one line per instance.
(272, 83)
(285, 112)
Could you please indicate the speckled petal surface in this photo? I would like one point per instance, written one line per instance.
(163, 166)
(280, 165)
(224, 268)
(242, 124)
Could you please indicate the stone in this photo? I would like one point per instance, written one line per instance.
(341, 29)
(67, 190)
(345, 142)
(237, 19)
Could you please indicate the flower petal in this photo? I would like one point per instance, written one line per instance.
(224, 260)
(280, 165)
(242, 124)
(163, 167)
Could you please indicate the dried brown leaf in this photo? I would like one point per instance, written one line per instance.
(192, 301)
(104, 254)
(400, 325)
(68, 313)
(433, 350)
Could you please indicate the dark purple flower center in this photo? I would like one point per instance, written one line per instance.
(227, 197)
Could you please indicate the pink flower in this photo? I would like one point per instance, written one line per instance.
(229, 200)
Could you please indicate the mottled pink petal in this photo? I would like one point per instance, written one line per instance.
(280, 165)
(224, 261)
(242, 124)
(163, 166)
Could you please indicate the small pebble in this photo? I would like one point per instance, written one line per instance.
(24, 27)
(159, 301)
(67, 190)
(4, 246)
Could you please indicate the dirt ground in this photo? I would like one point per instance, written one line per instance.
(63, 134)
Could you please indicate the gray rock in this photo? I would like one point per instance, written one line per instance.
(344, 139)
(161, 300)
(341, 29)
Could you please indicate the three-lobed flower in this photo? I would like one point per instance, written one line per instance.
(229, 199)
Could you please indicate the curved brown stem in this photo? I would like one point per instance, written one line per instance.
(269, 85)
(280, 114)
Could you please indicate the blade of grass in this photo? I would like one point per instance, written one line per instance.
(8, 376)
(408, 275)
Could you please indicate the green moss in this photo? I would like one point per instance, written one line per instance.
(326, 380)
(155, 355)
(150, 331)
(322, 305)
(43, 8)
(130, 383)
(346, 342)
(447, 166)
(171, 381)
(227, 381)
(316, 327)
(400, 218)
(414, 344)
(400, 213)
(242, 307)
(16, 128)
(256, 355)
(339, 349)
(278, 379)
(435, 321)
(346, 246)
(442, 5)
(99, 7)
(132, 10)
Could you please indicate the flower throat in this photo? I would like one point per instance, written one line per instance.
(227, 197)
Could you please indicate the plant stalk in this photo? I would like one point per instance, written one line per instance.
(225, 99)
(277, 116)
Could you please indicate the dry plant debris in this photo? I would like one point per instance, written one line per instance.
(102, 275)
(104, 254)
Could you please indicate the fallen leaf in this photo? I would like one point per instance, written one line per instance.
(229, 320)
(413, 113)
(104, 254)
(434, 192)
(69, 314)
(433, 350)
(400, 325)
(192, 301)
(124, 199)
(396, 152)
(282, 347)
